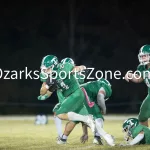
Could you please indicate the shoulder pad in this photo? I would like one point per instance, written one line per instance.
(141, 67)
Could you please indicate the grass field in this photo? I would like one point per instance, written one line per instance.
(22, 134)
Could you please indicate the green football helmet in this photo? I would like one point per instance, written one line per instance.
(69, 60)
(144, 55)
(128, 125)
(49, 62)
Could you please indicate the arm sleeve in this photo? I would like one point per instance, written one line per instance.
(53, 88)
(137, 139)
(52, 84)
(50, 81)
(101, 102)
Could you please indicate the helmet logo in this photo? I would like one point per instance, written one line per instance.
(130, 122)
(54, 61)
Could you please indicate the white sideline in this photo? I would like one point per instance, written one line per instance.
(107, 117)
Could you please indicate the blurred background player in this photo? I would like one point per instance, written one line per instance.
(143, 74)
(135, 133)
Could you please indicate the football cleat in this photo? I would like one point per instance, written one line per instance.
(61, 141)
(109, 139)
(97, 140)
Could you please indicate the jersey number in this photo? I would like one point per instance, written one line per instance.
(62, 84)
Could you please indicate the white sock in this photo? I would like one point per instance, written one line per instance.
(64, 137)
(100, 122)
(76, 117)
(97, 134)
(99, 127)
(58, 125)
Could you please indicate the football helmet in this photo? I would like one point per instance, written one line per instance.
(128, 125)
(48, 63)
(69, 60)
(144, 55)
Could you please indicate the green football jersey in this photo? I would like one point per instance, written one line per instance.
(135, 131)
(145, 74)
(79, 77)
(60, 96)
(66, 81)
(59, 92)
(93, 88)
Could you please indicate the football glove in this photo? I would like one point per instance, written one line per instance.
(43, 97)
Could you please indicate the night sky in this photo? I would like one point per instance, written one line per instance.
(103, 35)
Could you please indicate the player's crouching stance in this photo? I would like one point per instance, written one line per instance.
(143, 74)
(135, 132)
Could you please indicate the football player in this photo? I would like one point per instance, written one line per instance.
(74, 116)
(98, 92)
(143, 74)
(73, 103)
(58, 122)
(135, 133)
